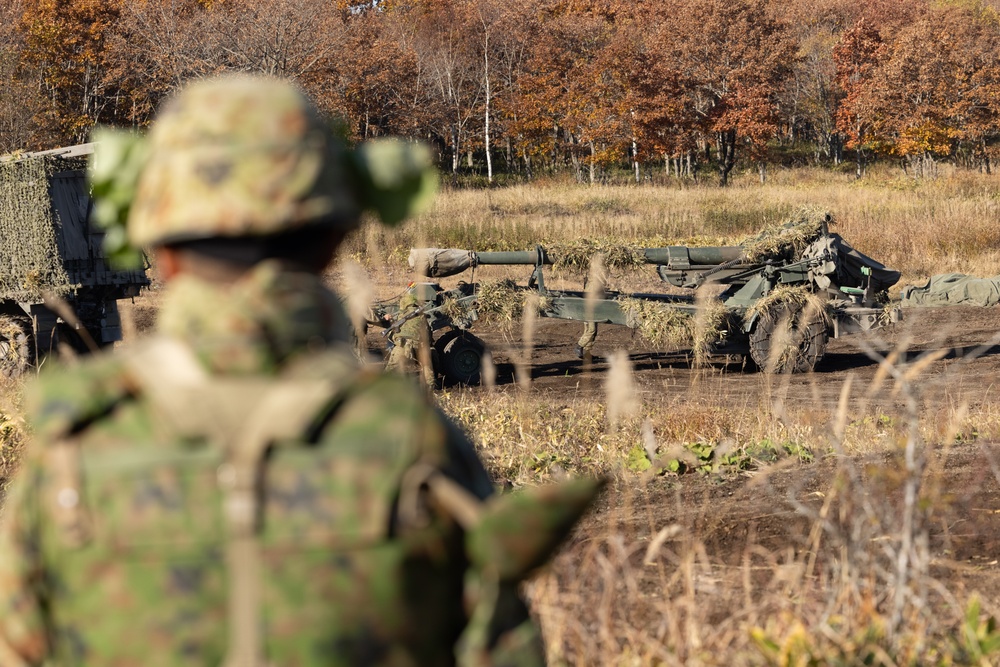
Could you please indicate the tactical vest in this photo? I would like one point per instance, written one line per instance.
(296, 507)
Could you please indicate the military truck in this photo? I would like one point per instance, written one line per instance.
(56, 285)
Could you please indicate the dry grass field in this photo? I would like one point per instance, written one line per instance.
(850, 516)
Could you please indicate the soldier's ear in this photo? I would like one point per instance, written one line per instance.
(167, 262)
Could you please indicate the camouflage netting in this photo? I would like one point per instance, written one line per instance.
(503, 303)
(454, 309)
(709, 325)
(660, 325)
(786, 239)
(800, 295)
(665, 327)
(29, 262)
(575, 256)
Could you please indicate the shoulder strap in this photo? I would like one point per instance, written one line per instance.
(246, 416)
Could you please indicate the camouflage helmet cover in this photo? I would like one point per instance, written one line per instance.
(240, 155)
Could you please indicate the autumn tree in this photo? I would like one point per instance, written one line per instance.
(928, 90)
(944, 75)
(27, 120)
(501, 49)
(910, 97)
(157, 45)
(977, 109)
(856, 58)
(589, 85)
(64, 40)
(444, 45)
(371, 80)
(733, 58)
(810, 100)
(570, 97)
(660, 99)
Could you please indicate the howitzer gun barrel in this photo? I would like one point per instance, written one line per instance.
(512, 257)
(444, 262)
(685, 256)
(671, 255)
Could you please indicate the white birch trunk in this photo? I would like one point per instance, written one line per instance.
(635, 152)
(486, 123)
(592, 153)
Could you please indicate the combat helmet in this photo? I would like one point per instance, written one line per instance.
(240, 155)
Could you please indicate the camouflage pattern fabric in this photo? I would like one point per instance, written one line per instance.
(240, 155)
(407, 341)
(112, 544)
(32, 264)
(254, 325)
(587, 338)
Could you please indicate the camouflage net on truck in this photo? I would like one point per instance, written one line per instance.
(30, 263)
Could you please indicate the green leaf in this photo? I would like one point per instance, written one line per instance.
(114, 170)
(396, 179)
(637, 460)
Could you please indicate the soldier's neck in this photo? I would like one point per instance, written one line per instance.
(254, 324)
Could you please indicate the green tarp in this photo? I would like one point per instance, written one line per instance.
(953, 289)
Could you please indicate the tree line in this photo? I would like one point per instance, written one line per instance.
(525, 88)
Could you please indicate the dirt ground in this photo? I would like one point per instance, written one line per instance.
(968, 369)
(743, 553)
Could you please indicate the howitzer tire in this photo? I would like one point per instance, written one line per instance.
(462, 358)
(442, 342)
(789, 338)
(17, 345)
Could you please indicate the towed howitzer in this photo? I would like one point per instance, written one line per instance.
(781, 298)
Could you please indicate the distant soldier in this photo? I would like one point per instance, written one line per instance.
(585, 346)
(235, 491)
(411, 350)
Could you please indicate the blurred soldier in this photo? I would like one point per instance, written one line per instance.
(236, 491)
(411, 349)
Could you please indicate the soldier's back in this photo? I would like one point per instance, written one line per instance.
(133, 513)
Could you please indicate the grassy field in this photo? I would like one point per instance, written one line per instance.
(921, 228)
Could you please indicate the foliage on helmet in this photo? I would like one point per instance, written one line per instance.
(396, 180)
(114, 170)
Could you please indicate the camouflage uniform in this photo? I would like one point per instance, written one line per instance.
(411, 342)
(236, 491)
(585, 346)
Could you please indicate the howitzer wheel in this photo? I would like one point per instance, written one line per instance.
(17, 345)
(461, 357)
(789, 338)
(444, 339)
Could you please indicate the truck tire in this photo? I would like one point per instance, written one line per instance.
(789, 338)
(17, 345)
